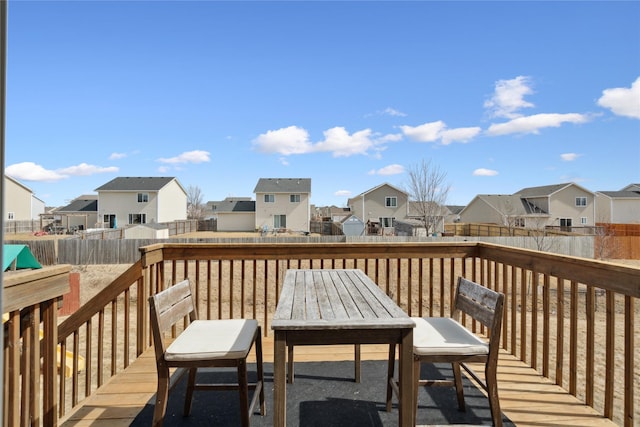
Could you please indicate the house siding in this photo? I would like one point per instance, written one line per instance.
(370, 206)
(18, 201)
(297, 213)
(171, 203)
(243, 221)
(563, 205)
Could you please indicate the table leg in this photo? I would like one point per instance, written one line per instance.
(279, 379)
(406, 379)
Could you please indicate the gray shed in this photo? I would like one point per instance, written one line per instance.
(353, 226)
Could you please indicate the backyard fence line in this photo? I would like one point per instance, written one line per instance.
(83, 252)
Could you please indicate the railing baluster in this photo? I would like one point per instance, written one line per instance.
(610, 348)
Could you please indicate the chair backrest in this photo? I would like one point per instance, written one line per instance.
(168, 307)
(482, 304)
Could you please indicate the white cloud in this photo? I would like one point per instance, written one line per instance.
(508, 97)
(195, 156)
(569, 157)
(337, 140)
(84, 169)
(30, 171)
(342, 144)
(285, 141)
(427, 132)
(392, 112)
(394, 169)
(485, 172)
(342, 193)
(163, 169)
(283, 161)
(116, 156)
(622, 101)
(533, 124)
(438, 132)
(459, 135)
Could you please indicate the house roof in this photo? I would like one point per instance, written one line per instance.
(283, 185)
(235, 205)
(80, 205)
(546, 190)
(130, 183)
(621, 194)
(377, 187)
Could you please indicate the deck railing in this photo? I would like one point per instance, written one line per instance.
(30, 335)
(572, 319)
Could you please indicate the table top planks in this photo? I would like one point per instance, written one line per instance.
(335, 299)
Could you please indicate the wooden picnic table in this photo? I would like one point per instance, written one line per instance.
(319, 307)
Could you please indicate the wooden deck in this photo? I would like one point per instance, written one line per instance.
(525, 397)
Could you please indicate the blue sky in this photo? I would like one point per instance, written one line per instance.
(498, 95)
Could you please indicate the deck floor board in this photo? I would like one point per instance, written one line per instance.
(528, 399)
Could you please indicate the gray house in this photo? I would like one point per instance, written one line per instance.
(283, 203)
(565, 205)
(619, 207)
(140, 200)
(236, 214)
(80, 214)
(380, 206)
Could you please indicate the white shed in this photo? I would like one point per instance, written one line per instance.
(147, 231)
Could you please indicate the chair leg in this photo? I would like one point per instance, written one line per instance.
(260, 370)
(492, 392)
(356, 358)
(162, 395)
(191, 382)
(243, 386)
(290, 364)
(457, 376)
(416, 388)
(390, 369)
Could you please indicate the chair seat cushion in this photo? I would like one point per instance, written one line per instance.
(213, 339)
(436, 336)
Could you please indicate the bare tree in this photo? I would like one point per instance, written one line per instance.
(428, 191)
(195, 206)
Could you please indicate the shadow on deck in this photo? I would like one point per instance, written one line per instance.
(526, 398)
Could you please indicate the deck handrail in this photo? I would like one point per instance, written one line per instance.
(549, 296)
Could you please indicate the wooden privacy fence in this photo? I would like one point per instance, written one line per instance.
(552, 321)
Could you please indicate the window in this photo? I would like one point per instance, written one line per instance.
(143, 197)
(387, 222)
(391, 202)
(269, 198)
(137, 218)
(581, 201)
(584, 220)
(565, 224)
(10, 215)
(279, 221)
(519, 222)
(294, 198)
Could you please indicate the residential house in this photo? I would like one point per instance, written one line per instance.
(380, 206)
(80, 214)
(283, 203)
(619, 207)
(503, 209)
(565, 205)
(332, 213)
(235, 214)
(141, 200)
(19, 201)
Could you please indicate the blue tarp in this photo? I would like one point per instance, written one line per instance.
(21, 254)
